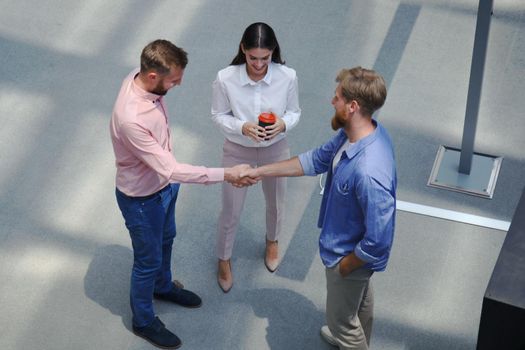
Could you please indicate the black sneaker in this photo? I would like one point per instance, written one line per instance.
(157, 334)
(180, 296)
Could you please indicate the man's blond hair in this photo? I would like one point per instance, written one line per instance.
(364, 86)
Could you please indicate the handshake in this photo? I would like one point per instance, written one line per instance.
(241, 175)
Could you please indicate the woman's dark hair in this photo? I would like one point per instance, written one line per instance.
(258, 35)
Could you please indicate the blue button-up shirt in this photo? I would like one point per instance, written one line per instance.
(359, 202)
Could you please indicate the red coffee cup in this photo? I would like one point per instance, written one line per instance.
(266, 118)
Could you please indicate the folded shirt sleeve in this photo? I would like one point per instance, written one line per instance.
(378, 206)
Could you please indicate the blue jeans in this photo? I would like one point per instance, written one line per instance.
(151, 224)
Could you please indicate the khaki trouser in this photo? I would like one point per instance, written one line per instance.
(274, 189)
(350, 307)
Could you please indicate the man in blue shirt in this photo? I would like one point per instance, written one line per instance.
(357, 215)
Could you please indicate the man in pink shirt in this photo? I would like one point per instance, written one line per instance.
(147, 183)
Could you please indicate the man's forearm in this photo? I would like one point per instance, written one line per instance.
(289, 167)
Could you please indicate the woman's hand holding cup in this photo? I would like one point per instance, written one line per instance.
(272, 124)
(254, 131)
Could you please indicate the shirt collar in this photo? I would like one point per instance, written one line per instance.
(348, 145)
(245, 79)
(364, 142)
(137, 90)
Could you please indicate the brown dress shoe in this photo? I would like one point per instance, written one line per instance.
(224, 275)
(271, 258)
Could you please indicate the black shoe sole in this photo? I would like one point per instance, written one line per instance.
(157, 345)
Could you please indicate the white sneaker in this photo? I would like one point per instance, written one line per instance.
(327, 336)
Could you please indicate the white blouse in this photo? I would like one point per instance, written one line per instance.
(238, 99)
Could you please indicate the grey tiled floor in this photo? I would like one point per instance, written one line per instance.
(64, 252)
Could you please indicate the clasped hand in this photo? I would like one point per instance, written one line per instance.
(259, 133)
(241, 175)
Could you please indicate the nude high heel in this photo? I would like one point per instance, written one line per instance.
(224, 275)
(271, 257)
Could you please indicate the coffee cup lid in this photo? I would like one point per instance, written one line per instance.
(267, 117)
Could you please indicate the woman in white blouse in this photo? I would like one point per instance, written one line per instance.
(255, 82)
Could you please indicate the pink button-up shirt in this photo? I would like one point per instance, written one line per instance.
(141, 140)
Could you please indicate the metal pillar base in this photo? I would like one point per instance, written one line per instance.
(481, 181)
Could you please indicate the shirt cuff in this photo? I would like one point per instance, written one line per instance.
(239, 124)
(286, 128)
(215, 175)
(306, 160)
(362, 255)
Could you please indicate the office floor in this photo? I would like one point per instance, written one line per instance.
(65, 255)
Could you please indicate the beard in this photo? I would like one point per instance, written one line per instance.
(338, 121)
(159, 89)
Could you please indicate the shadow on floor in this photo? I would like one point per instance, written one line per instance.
(293, 320)
(107, 280)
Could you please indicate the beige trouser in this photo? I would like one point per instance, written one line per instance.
(350, 307)
(274, 189)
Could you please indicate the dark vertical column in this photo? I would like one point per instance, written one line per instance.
(502, 323)
(476, 78)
